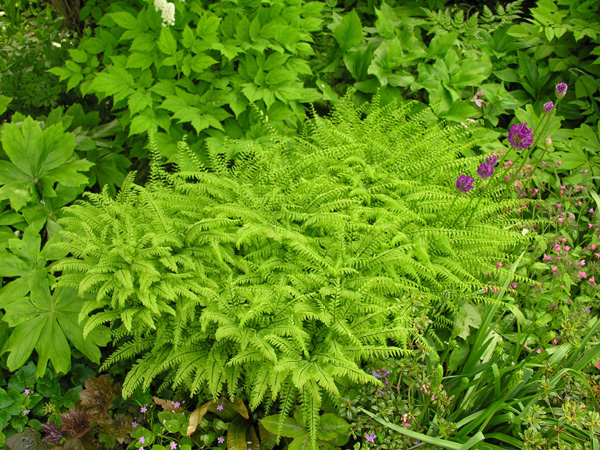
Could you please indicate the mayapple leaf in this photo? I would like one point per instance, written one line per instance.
(27, 440)
(97, 397)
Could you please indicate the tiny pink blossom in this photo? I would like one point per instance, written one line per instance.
(220, 407)
(579, 203)
(592, 280)
(567, 248)
(176, 405)
(591, 210)
(553, 305)
(26, 412)
(559, 163)
(561, 220)
(559, 205)
(556, 248)
(594, 247)
(27, 391)
(571, 216)
(555, 341)
(547, 258)
(554, 269)
(143, 409)
(173, 445)
(142, 440)
(598, 366)
(538, 351)
(134, 424)
(597, 255)
(499, 264)
(220, 440)
(582, 274)
(590, 225)
(514, 285)
(582, 262)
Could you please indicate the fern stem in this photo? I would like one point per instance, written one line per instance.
(449, 211)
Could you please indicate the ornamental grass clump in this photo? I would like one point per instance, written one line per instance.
(277, 277)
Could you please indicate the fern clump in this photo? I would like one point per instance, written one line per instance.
(277, 277)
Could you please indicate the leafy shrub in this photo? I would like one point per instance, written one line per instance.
(301, 261)
(201, 74)
(26, 53)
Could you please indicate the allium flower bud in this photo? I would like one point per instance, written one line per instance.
(561, 90)
(548, 107)
(519, 136)
(464, 183)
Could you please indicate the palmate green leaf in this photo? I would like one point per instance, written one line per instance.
(47, 323)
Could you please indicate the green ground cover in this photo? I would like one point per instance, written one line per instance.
(285, 224)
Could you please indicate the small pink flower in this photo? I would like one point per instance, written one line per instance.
(142, 440)
(561, 220)
(592, 280)
(563, 187)
(27, 392)
(582, 274)
(559, 163)
(567, 248)
(508, 163)
(555, 341)
(571, 216)
(26, 412)
(220, 440)
(499, 264)
(561, 192)
(220, 407)
(591, 210)
(579, 203)
(582, 262)
(553, 305)
(594, 247)
(134, 424)
(598, 366)
(538, 351)
(559, 205)
(585, 172)
(556, 248)
(580, 188)
(597, 255)
(590, 225)
(173, 445)
(176, 405)
(514, 285)
(547, 258)
(143, 409)
(554, 269)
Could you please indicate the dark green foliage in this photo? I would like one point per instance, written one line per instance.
(299, 262)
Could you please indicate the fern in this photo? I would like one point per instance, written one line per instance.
(306, 259)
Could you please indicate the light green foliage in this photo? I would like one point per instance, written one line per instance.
(39, 319)
(200, 76)
(301, 261)
(39, 159)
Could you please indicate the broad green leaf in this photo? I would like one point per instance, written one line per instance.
(166, 42)
(332, 426)
(440, 44)
(138, 60)
(290, 428)
(300, 443)
(202, 62)
(348, 33)
(4, 101)
(124, 20)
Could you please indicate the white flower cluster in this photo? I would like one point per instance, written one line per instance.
(167, 11)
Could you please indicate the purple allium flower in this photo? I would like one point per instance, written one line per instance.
(370, 437)
(519, 136)
(220, 440)
(548, 107)
(486, 169)
(561, 90)
(464, 183)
